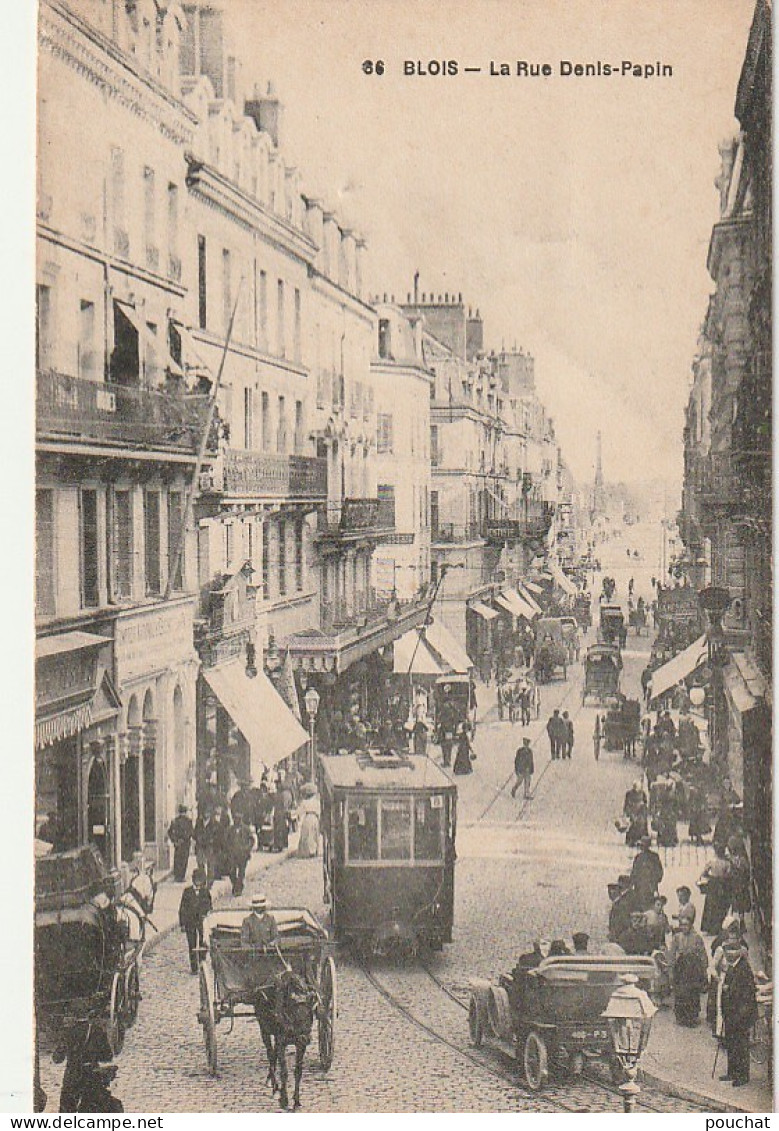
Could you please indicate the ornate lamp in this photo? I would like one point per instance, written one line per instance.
(629, 1016)
(311, 700)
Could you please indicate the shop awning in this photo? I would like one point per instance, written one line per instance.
(410, 647)
(511, 600)
(533, 588)
(560, 579)
(67, 689)
(483, 611)
(158, 345)
(259, 712)
(677, 669)
(193, 361)
(523, 588)
(442, 641)
(68, 642)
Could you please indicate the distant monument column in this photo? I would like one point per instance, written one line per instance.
(599, 492)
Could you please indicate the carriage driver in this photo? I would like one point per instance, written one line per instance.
(259, 927)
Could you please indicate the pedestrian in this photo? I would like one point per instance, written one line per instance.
(447, 725)
(180, 833)
(523, 768)
(635, 940)
(222, 843)
(698, 814)
(195, 905)
(739, 1011)
(242, 801)
(567, 736)
(554, 730)
(686, 911)
(646, 874)
(525, 703)
(597, 737)
(241, 846)
(580, 940)
(204, 834)
(657, 924)
(259, 928)
(623, 903)
(716, 887)
(740, 883)
(309, 812)
(689, 966)
(280, 826)
(462, 761)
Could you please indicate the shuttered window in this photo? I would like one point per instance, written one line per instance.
(151, 522)
(44, 553)
(384, 432)
(175, 526)
(282, 528)
(386, 493)
(299, 556)
(119, 545)
(90, 585)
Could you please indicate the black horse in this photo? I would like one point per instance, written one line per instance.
(285, 1012)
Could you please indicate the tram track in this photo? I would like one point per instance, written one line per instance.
(393, 996)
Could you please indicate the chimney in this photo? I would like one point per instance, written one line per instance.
(446, 297)
(265, 109)
(408, 298)
(416, 289)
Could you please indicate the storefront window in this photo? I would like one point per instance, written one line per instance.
(363, 831)
(428, 821)
(395, 830)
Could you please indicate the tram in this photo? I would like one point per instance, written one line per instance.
(388, 830)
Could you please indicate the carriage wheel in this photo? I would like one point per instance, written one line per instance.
(475, 1023)
(116, 1023)
(207, 1020)
(132, 994)
(535, 1061)
(326, 1013)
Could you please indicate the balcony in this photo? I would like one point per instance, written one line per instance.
(366, 608)
(353, 518)
(249, 473)
(720, 486)
(74, 410)
(451, 533)
(533, 524)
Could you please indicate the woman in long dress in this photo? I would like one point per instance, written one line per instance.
(716, 881)
(462, 762)
(309, 810)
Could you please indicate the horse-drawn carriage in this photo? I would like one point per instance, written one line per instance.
(284, 986)
(612, 628)
(89, 941)
(550, 1017)
(622, 726)
(553, 648)
(637, 619)
(602, 669)
(582, 610)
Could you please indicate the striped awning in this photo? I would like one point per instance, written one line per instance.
(63, 725)
(483, 611)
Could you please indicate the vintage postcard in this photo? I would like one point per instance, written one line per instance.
(403, 581)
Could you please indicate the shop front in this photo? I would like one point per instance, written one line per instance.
(156, 672)
(76, 710)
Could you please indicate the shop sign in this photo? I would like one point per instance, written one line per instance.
(679, 604)
(148, 640)
(61, 678)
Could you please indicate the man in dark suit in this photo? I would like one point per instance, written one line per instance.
(554, 728)
(739, 1011)
(646, 874)
(180, 836)
(195, 905)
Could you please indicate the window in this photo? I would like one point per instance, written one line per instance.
(86, 340)
(150, 218)
(434, 450)
(121, 244)
(281, 430)
(229, 544)
(174, 262)
(384, 338)
(282, 529)
(299, 437)
(296, 340)
(386, 493)
(45, 582)
(362, 830)
(265, 561)
(281, 343)
(263, 298)
(429, 827)
(175, 529)
(249, 540)
(383, 432)
(151, 526)
(42, 325)
(434, 511)
(125, 358)
(265, 412)
(202, 290)
(119, 529)
(151, 361)
(299, 556)
(248, 419)
(227, 289)
(395, 843)
(90, 582)
(149, 795)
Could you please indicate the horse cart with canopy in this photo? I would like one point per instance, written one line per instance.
(89, 941)
(602, 670)
(284, 985)
(612, 629)
(550, 1017)
(622, 725)
(553, 649)
(582, 610)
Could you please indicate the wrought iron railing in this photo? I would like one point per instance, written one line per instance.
(257, 473)
(351, 516)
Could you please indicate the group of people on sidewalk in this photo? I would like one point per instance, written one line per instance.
(685, 970)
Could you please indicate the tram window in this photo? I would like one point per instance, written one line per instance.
(363, 831)
(428, 818)
(395, 830)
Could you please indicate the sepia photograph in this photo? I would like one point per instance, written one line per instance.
(403, 557)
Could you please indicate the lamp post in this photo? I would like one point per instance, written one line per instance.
(311, 699)
(629, 1016)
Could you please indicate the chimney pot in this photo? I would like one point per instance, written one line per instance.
(460, 297)
(385, 296)
(446, 296)
(424, 297)
(408, 298)
(392, 298)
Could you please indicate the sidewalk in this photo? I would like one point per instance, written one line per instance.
(681, 1060)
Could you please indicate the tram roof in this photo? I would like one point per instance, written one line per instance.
(404, 773)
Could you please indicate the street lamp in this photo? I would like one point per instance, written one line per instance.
(311, 699)
(629, 1015)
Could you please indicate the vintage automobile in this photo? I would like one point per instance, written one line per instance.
(550, 1017)
(388, 830)
(602, 670)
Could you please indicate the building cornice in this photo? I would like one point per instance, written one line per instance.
(125, 267)
(219, 192)
(66, 36)
(323, 283)
(390, 368)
